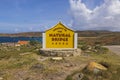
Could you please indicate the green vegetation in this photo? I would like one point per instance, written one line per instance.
(23, 62)
(102, 56)
(12, 55)
(110, 61)
(34, 43)
(97, 49)
(99, 37)
(112, 73)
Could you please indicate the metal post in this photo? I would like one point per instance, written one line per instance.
(75, 40)
(43, 40)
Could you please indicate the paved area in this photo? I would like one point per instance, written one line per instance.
(114, 48)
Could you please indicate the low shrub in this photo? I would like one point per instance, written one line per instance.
(84, 47)
(105, 64)
(101, 50)
(69, 77)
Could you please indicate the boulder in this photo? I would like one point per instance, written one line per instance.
(78, 76)
(57, 58)
(95, 66)
(1, 78)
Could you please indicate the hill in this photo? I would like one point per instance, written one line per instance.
(24, 34)
(89, 37)
(95, 33)
(91, 33)
(99, 37)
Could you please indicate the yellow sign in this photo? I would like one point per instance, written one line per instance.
(59, 37)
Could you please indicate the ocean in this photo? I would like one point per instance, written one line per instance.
(16, 39)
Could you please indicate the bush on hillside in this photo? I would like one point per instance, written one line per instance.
(33, 43)
(101, 50)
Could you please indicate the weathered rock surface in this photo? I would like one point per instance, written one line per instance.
(60, 52)
(94, 66)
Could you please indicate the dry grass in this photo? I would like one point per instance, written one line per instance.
(36, 67)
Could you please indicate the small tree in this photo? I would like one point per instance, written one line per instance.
(33, 43)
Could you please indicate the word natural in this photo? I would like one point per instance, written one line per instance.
(59, 37)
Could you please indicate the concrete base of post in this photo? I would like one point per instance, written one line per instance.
(60, 52)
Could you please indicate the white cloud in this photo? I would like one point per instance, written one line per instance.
(103, 17)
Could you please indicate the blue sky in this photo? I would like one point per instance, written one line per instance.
(38, 15)
(32, 15)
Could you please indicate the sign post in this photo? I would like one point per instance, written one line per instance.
(59, 39)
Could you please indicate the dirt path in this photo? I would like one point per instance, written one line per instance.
(114, 48)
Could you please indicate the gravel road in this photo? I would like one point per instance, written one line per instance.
(114, 48)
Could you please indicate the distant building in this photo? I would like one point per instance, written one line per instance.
(19, 43)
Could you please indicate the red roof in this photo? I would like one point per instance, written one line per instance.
(23, 42)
